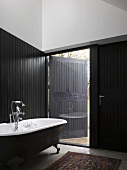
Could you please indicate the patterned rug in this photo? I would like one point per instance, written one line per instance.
(80, 161)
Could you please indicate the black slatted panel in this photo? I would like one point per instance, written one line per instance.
(22, 77)
(68, 81)
(113, 85)
(68, 94)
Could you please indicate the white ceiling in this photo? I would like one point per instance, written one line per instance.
(122, 4)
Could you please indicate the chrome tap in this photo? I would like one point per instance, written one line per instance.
(17, 113)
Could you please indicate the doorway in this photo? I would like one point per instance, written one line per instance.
(69, 82)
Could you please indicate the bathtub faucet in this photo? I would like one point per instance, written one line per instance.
(17, 113)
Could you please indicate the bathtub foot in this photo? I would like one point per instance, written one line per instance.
(15, 162)
(58, 149)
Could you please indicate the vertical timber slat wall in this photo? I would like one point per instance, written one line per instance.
(113, 85)
(68, 84)
(22, 77)
(68, 94)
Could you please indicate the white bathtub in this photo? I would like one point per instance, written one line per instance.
(29, 126)
(33, 136)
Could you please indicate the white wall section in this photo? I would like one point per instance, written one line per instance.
(52, 24)
(23, 18)
(69, 22)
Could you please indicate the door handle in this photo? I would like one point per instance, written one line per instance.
(100, 97)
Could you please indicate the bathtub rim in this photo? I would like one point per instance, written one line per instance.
(28, 131)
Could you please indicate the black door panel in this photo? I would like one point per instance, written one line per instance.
(113, 86)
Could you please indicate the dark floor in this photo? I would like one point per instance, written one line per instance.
(47, 157)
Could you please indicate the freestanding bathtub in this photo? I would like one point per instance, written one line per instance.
(33, 136)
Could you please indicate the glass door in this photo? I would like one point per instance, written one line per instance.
(69, 94)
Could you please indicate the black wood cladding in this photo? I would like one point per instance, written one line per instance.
(22, 77)
(68, 85)
(113, 85)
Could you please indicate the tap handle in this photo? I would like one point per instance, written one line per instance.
(18, 108)
(20, 118)
(21, 113)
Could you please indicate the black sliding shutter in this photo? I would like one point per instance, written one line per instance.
(68, 94)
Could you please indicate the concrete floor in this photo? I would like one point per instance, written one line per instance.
(78, 141)
(47, 157)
